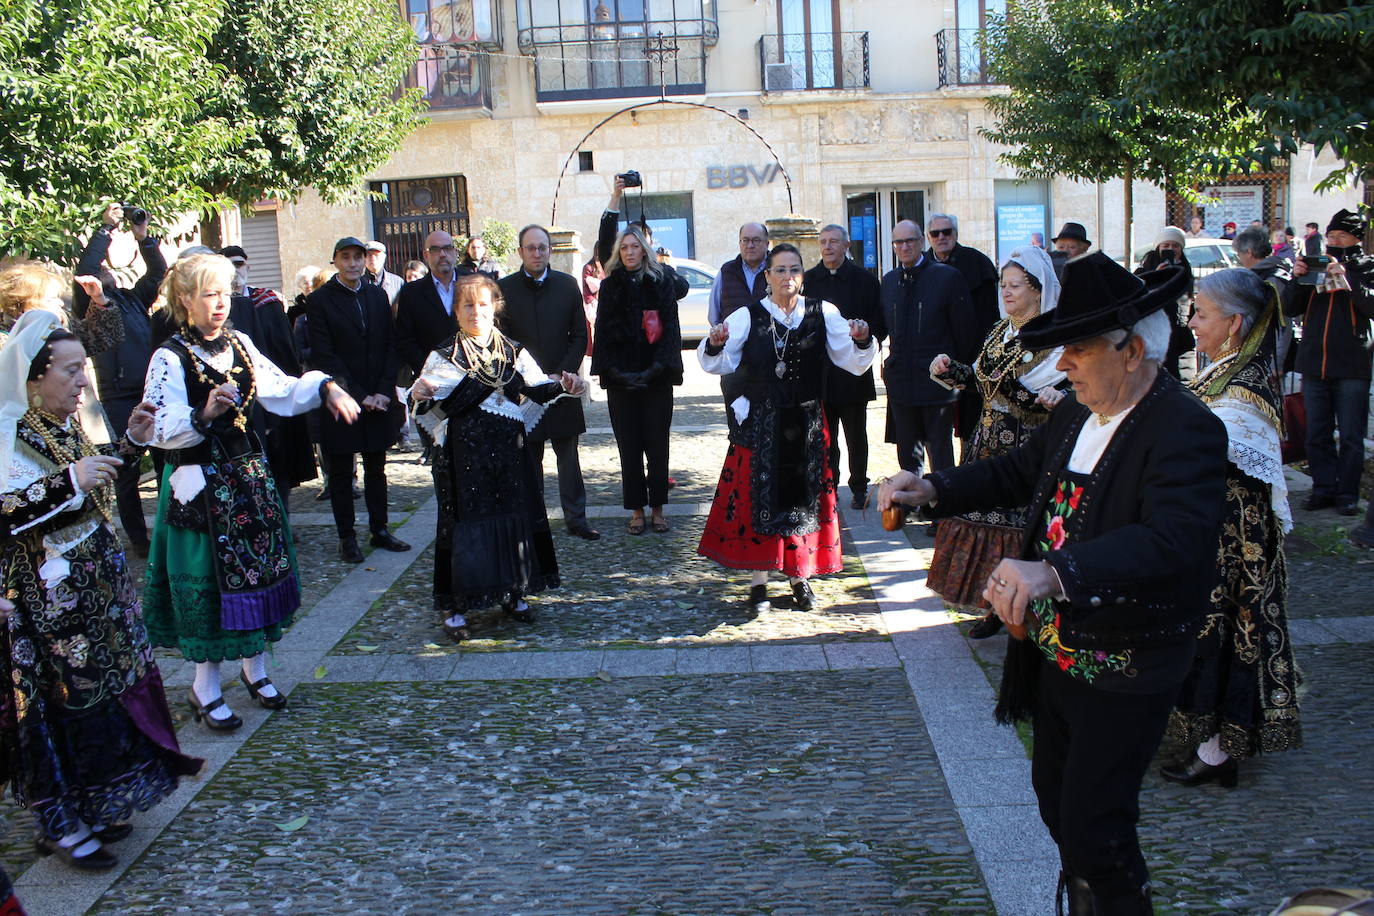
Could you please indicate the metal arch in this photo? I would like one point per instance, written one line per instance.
(787, 179)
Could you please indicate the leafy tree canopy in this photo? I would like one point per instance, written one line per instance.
(98, 102)
(1305, 68)
(315, 84)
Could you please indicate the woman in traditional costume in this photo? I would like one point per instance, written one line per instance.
(85, 734)
(1019, 388)
(221, 535)
(774, 508)
(1241, 697)
(478, 395)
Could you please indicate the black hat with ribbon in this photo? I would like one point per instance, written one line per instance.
(1073, 231)
(1099, 295)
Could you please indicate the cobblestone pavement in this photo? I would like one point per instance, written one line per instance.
(647, 747)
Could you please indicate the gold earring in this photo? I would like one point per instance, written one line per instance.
(36, 400)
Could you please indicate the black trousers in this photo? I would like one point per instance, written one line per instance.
(1092, 748)
(341, 491)
(854, 418)
(641, 421)
(923, 432)
(127, 500)
(572, 491)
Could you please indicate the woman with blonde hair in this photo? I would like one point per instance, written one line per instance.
(29, 285)
(637, 353)
(221, 533)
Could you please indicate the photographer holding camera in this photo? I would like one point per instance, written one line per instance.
(1167, 254)
(120, 369)
(1334, 295)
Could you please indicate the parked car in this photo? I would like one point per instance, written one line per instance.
(692, 308)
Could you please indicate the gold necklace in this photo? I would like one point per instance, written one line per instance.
(491, 366)
(245, 403)
(45, 425)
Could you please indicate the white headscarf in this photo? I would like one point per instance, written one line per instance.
(1037, 263)
(26, 338)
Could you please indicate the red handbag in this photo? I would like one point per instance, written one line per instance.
(1294, 444)
(653, 327)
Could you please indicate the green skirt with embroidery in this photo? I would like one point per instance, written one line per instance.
(181, 600)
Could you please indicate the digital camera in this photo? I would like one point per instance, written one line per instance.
(631, 179)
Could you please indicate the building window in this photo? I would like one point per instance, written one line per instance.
(592, 49)
(585, 162)
(407, 210)
(471, 22)
(959, 53)
(810, 51)
(670, 218)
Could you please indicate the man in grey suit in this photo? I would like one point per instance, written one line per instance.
(544, 313)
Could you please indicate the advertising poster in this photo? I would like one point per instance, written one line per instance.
(1015, 224)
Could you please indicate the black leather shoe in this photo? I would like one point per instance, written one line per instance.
(202, 714)
(990, 625)
(99, 860)
(255, 691)
(1314, 502)
(802, 596)
(511, 606)
(1195, 772)
(1348, 508)
(758, 599)
(113, 833)
(385, 540)
(349, 551)
(860, 499)
(585, 532)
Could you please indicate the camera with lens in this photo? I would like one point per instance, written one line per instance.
(1316, 270)
(631, 179)
(135, 214)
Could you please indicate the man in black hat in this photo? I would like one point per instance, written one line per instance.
(1072, 240)
(925, 312)
(1126, 484)
(351, 338)
(1334, 359)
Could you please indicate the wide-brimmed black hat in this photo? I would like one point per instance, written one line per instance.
(1073, 231)
(1099, 295)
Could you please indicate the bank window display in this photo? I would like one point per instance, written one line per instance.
(587, 49)
(1023, 215)
(670, 218)
(405, 211)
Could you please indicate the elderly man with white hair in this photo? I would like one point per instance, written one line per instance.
(1126, 484)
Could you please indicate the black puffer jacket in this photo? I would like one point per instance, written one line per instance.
(1335, 325)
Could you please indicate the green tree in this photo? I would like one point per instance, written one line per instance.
(99, 105)
(1069, 113)
(315, 83)
(1305, 68)
(499, 237)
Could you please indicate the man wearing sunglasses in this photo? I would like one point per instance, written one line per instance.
(980, 276)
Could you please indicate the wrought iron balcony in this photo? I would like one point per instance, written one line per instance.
(606, 60)
(452, 76)
(960, 58)
(826, 60)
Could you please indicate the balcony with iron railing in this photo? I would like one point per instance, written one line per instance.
(608, 60)
(453, 77)
(827, 60)
(960, 58)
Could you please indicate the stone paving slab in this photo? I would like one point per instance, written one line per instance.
(639, 795)
(628, 591)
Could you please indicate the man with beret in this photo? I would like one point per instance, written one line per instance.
(1126, 484)
(1334, 359)
(351, 338)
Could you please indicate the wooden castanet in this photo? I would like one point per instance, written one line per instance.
(893, 516)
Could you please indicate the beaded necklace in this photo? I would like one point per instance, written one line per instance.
(46, 426)
(246, 401)
(490, 366)
(1000, 357)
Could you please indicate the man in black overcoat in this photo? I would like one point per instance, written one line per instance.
(352, 339)
(925, 312)
(857, 294)
(543, 311)
(980, 274)
(424, 307)
(1126, 484)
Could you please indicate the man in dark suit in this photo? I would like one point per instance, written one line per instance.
(424, 307)
(925, 312)
(543, 311)
(857, 294)
(352, 339)
(1126, 484)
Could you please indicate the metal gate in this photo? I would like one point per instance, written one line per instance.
(408, 210)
